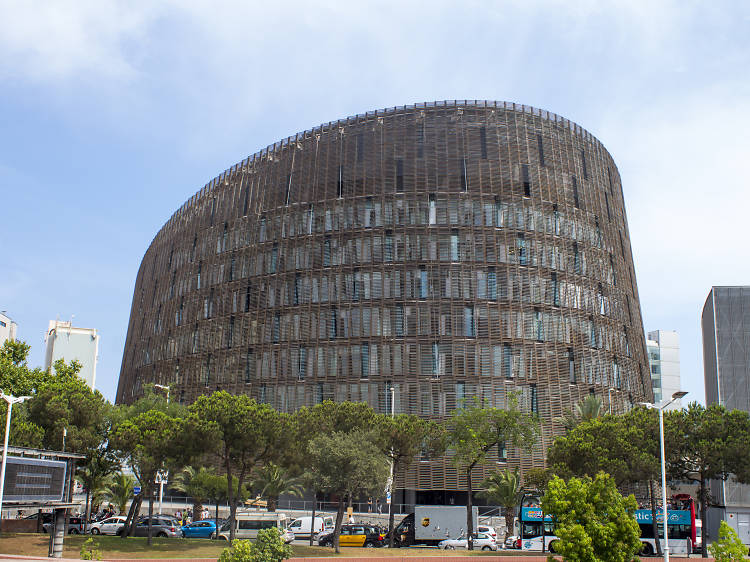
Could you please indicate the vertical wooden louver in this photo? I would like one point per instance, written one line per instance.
(451, 249)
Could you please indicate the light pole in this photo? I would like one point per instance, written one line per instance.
(161, 476)
(389, 491)
(10, 399)
(661, 406)
(609, 393)
(163, 387)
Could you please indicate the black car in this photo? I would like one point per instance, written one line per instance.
(46, 517)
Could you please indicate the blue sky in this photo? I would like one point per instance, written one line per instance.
(113, 113)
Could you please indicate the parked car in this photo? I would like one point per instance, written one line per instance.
(203, 529)
(75, 526)
(511, 541)
(481, 541)
(161, 526)
(108, 526)
(355, 535)
(46, 517)
(288, 535)
(487, 530)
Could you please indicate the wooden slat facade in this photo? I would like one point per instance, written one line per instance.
(450, 249)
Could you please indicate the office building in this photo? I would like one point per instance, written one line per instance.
(64, 341)
(725, 324)
(664, 361)
(8, 328)
(451, 250)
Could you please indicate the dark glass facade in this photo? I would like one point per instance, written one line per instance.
(450, 250)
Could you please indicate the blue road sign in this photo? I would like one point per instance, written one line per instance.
(136, 490)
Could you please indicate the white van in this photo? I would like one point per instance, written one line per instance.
(248, 523)
(301, 526)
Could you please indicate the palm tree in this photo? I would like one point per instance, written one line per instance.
(120, 490)
(198, 484)
(94, 477)
(272, 480)
(503, 488)
(587, 409)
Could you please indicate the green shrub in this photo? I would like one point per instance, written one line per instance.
(268, 547)
(594, 522)
(729, 547)
(88, 552)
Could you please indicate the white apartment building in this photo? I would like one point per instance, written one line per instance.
(7, 328)
(664, 361)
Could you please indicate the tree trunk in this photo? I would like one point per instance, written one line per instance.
(271, 503)
(337, 528)
(230, 499)
(216, 520)
(197, 510)
(89, 501)
(509, 519)
(312, 524)
(469, 511)
(704, 514)
(135, 510)
(391, 516)
(150, 514)
(233, 505)
(654, 524)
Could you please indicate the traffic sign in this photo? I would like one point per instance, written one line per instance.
(136, 490)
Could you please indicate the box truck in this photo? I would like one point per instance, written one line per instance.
(430, 524)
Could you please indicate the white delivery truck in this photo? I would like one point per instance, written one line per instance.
(430, 524)
(302, 525)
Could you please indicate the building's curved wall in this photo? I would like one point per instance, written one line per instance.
(450, 250)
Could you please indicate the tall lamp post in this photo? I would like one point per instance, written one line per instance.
(10, 399)
(162, 475)
(163, 387)
(389, 492)
(661, 406)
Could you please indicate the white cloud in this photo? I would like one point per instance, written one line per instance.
(48, 41)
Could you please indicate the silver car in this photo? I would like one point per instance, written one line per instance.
(108, 526)
(481, 541)
(161, 526)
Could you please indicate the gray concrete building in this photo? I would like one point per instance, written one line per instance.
(725, 325)
(65, 341)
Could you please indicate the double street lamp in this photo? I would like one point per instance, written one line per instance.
(10, 399)
(163, 387)
(161, 476)
(661, 406)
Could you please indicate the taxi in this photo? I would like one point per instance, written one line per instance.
(368, 536)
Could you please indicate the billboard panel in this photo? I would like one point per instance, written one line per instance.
(34, 480)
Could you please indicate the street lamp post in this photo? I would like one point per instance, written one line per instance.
(161, 480)
(389, 491)
(392, 390)
(10, 399)
(163, 387)
(661, 407)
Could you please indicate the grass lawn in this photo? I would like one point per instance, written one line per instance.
(136, 547)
